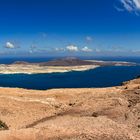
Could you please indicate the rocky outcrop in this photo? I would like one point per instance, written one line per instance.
(76, 114)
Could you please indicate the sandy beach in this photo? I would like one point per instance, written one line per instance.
(36, 69)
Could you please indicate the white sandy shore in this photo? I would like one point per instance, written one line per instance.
(36, 69)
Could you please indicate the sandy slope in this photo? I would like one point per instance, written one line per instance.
(77, 114)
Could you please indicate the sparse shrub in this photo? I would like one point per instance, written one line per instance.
(3, 126)
(95, 114)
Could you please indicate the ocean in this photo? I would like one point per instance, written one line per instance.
(100, 77)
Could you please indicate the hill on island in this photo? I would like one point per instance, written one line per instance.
(73, 61)
(68, 61)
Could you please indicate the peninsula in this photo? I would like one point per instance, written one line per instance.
(58, 65)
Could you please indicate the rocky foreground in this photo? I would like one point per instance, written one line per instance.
(75, 114)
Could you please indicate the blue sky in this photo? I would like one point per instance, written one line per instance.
(69, 27)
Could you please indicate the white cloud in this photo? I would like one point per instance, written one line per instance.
(9, 45)
(137, 2)
(72, 48)
(131, 5)
(86, 49)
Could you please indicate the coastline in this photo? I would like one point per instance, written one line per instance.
(36, 69)
(57, 66)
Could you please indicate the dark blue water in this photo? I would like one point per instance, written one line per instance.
(99, 77)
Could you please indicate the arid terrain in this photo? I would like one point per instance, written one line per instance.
(34, 69)
(77, 114)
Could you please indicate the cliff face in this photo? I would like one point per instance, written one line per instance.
(77, 114)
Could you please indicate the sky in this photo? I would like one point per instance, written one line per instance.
(69, 28)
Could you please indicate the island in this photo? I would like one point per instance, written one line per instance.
(58, 65)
